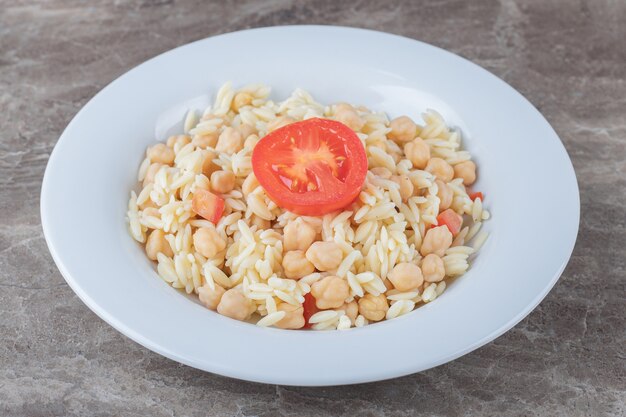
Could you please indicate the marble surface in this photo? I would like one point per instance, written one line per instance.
(566, 358)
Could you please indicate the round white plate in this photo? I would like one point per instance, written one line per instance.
(528, 180)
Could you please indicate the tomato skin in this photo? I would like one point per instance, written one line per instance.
(476, 195)
(312, 167)
(309, 309)
(451, 219)
(207, 205)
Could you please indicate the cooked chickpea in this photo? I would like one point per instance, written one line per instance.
(294, 317)
(235, 305)
(381, 172)
(373, 307)
(261, 224)
(208, 166)
(161, 153)
(418, 152)
(249, 184)
(346, 114)
(298, 235)
(466, 170)
(326, 256)
(151, 173)
(436, 241)
(241, 99)
(156, 243)
(222, 181)
(433, 268)
(445, 195)
(210, 297)
(406, 276)
(208, 242)
(229, 141)
(180, 140)
(406, 186)
(351, 309)
(296, 265)
(440, 169)
(205, 141)
(279, 122)
(330, 292)
(403, 129)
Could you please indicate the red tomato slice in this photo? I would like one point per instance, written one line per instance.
(450, 219)
(207, 205)
(476, 195)
(312, 167)
(309, 309)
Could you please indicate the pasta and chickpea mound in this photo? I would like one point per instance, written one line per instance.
(214, 231)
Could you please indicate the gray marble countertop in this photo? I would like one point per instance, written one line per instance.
(566, 358)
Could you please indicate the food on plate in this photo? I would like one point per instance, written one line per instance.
(297, 215)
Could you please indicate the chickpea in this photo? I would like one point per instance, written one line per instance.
(418, 152)
(466, 170)
(445, 195)
(161, 154)
(261, 224)
(373, 307)
(294, 317)
(433, 268)
(156, 243)
(351, 309)
(279, 122)
(406, 186)
(180, 140)
(241, 99)
(222, 181)
(326, 256)
(208, 166)
(381, 172)
(209, 297)
(235, 305)
(208, 242)
(298, 235)
(436, 241)
(249, 184)
(246, 130)
(229, 141)
(346, 114)
(205, 141)
(296, 265)
(330, 292)
(406, 276)
(403, 129)
(151, 173)
(440, 169)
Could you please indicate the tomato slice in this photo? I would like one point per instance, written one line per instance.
(312, 167)
(207, 205)
(451, 219)
(476, 195)
(309, 309)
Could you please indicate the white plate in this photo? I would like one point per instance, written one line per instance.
(525, 173)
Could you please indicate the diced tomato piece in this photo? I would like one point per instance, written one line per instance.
(450, 219)
(309, 309)
(476, 195)
(312, 167)
(207, 205)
